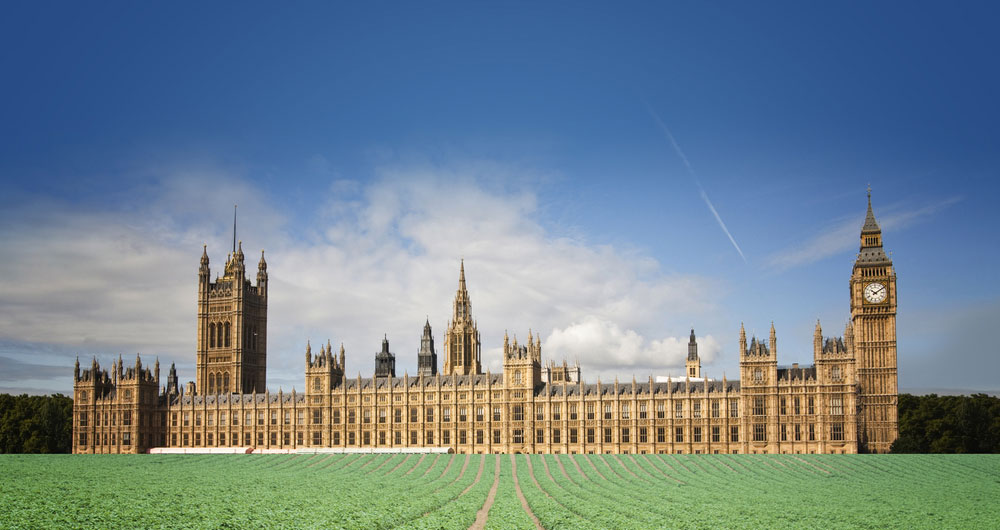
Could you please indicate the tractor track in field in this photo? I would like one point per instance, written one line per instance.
(399, 465)
(484, 512)
(415, 466)
(479, 475)
(520, 494)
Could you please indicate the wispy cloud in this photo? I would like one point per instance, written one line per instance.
(701, 189)
(842, 234)
(375, 257)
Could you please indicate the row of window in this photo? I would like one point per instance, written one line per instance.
(760, 406)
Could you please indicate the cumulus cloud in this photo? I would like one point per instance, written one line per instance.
(842, 234)
(605, 347)
(362, 260)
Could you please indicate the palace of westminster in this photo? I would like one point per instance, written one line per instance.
(845, 402)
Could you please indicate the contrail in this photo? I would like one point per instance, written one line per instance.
(697, 181)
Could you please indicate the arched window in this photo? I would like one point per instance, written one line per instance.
(228, 334)
(225, 385)
(211, 383)
(218, 335)
(517, 377)
(211, 335)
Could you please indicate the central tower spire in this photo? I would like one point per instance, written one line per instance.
(461, 341)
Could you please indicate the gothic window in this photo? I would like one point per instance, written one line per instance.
(590, 411)
(517, 377)
(519, 436)
(556, 438)
(782, 408)
(661, 410)
(218, 335)
(518, 413)
(642, 411)
(679, 434)
(835, 373)
(539, 412)
(556, 412)
(758, 375)
(625, 411)
(697, 434)
(480, 411)
(715, 433)
(366, 416)
(643, 435)
(607, 435)
(83, 419)
(211, 335)
(734, 433)
(496, 415)
(381, 416)
(837, 432)
(678, 410)
(316, 384)
(496, 436)
(759, 432)
(414, 414)
(590, 435)
(797, 404)
(211, 383)
(398, 415)
(661, 434)
(758, 407)
(836, 405)
(715, 408)
(696, 410)
(625, 435)
(228, 334)
(811, 405)
(225, 385)
(607, 411)
(734, 409)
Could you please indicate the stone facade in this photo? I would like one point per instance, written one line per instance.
(842, 403)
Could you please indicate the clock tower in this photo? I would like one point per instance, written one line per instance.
(873, 314)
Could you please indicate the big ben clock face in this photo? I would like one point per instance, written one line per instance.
(875, 293)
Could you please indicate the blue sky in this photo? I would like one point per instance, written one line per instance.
(371, 147)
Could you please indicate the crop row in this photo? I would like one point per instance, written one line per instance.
(447, 491)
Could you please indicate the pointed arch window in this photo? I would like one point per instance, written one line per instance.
(228, 334)
(225, 384)
(218, 335)
(211, 383)
(211, 335)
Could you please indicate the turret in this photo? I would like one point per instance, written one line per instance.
(426, 356)
(262, 275)
(693, 363)
(743, 341)
(172, 387)
(76, 369)
(817, 341)
(772, 342)
(385, 361)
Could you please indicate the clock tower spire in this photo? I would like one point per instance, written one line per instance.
(873, 318)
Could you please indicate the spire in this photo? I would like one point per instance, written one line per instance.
(262, 265)
(204, 258)
(692, 347)
(871, 225)
(461, 275)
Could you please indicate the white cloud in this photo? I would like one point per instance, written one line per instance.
(603, 346)
(842, 235)
(373, 258)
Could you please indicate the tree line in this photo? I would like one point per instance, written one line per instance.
(948, 424)
(927, 424)
(36, 424)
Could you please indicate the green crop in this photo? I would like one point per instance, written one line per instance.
(447, 491)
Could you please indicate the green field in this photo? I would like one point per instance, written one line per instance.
(448, 491)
